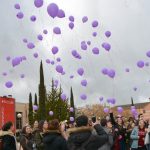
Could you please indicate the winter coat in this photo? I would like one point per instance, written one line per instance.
(9, 142)
(110, 142)
(120, 138)
(26, 142)
(134, 137)
(53, 140)
(38, 139)
(83, 136)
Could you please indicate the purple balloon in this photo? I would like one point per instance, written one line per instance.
(55, 50)
(38, 3)
(80, 71)
(111, 73)
(35, 107)
(94, 34)
(84, 46)
(61, 13)
(83, 97)
(33, 18)
(84, 82)
(4, 74)
(17, 6)
(74, 53)
(94, 24)
(101, 99)
(45, 31)
(58, 59)
(25, 40)
(20, 15)
(127, 70)
(22, 76)
(71, 18)
(35, 55)
(59, 69)
(71, 77)
(24, 58)
(51, 113)
(106, 110)
(8, 58)
(56, 30)
(63, 97)
(52, 10)
(95, 50)
(30, 45)
(133, 110)
(71, 119)
(71, 109)
(119, 109)
(89, 42)
(48, 61)
(40, 37)
(108, 34)
(9, 84)
(106, 46)
(140, 64)
(148, 54)
(16, 61)
(104, 71)
(52, 62)
(71, 25)
(84, 19)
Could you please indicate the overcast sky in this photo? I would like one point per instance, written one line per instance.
(129, 22)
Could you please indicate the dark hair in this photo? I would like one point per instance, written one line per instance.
(82, 121)
(103, 122)
(40, 126)
(54, 124)
(7, 126)
(140, 115)
(24, 129)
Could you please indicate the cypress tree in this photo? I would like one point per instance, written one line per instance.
(132, 103)
(30, 115)
(35, 100)
(72, 114)
(42, 96)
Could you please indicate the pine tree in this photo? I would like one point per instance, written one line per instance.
(30, 115)
(42, 96)
(72, 114)
(56, 104)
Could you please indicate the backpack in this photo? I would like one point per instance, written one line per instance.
(1, 143)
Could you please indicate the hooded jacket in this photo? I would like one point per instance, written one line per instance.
(53, 140)
(80, 135)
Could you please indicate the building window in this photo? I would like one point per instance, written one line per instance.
(18, 121)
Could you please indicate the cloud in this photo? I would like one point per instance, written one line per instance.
(129, 23)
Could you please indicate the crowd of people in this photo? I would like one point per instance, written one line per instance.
(109, 133)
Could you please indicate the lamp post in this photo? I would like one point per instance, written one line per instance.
(19, 116)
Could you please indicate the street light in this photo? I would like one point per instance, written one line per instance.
(19, 116)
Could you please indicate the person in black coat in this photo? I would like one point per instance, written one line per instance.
(81, 137)
(53, 139)
(9, 142)
(26, 139)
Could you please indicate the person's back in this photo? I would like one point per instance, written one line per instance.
(8, 141)
(54, 141)
(81, 137)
